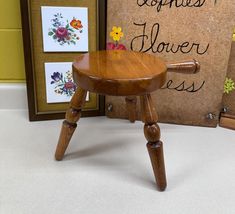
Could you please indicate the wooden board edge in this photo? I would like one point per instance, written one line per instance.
(227, 121)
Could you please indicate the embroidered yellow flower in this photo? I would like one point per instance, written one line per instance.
(116, 33)
(234, 35)
(229, 85)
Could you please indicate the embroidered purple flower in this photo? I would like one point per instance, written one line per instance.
(56, 77)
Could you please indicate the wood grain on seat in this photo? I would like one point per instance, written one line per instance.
(119, 73)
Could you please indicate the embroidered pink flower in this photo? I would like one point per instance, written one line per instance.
(69, 85)
(61, 33)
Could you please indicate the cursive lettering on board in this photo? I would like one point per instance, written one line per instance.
(183, 87)
(159, 4)
(149, 42)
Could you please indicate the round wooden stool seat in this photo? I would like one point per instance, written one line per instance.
(119, 73)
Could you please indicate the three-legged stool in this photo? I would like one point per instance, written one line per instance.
(122, 73)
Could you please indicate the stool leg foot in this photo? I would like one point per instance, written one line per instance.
(66, 134)
(69, 125)
(157, 159)
(131, 108)
(154, 145)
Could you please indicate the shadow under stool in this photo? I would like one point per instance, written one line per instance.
(123, 73)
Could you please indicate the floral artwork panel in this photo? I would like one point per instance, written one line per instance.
(65, 29)
(60, 86)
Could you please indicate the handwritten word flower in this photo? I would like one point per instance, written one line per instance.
(63, 85)
(116, 33)
(65, 33)
(229, 85)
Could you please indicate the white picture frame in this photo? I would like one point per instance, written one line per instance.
(65, 29)
(60, 86)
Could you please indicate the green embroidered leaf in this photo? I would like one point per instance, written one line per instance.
(50, 33)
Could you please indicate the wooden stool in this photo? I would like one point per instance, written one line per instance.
(122, 73)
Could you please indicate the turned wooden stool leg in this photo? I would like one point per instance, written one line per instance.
(69, 125)
(154, 145)
(131, 108)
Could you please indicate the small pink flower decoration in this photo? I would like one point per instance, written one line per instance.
(112, 46)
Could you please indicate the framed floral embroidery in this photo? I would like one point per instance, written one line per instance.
(65, 29)
(54, 33)
(60, 86)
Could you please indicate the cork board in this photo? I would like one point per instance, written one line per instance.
(174, 31)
